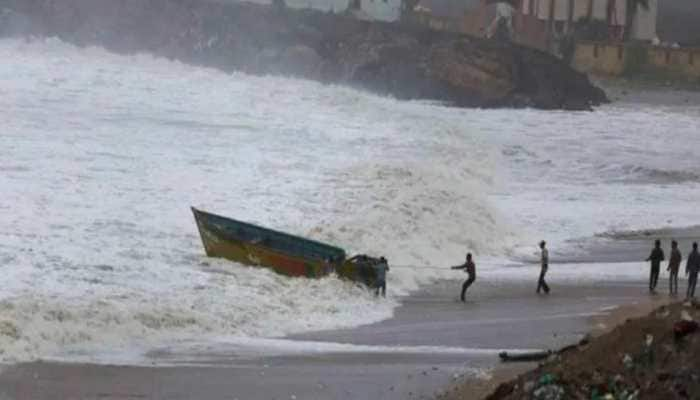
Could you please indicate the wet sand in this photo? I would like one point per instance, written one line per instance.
(640, 91)
(600, 325)
(390, 360)
(632, 246)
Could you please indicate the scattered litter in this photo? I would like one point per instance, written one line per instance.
(585, 340)
(483, 374)
(683, 328)
(546, 379)
(529, 386)
(637, 360)
(647, 356)
(549, 392)
(685, 315)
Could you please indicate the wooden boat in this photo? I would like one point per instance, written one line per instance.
(286, 254)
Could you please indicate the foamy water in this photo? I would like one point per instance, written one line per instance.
(101, 156)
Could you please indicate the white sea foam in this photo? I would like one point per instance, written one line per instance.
(216, 351)
(101, 156)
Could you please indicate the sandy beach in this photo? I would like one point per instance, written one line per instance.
(106, 281)
(434, 346)
(433, 343)
(600, 324)
(652, 356)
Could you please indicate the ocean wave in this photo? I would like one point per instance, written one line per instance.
(114, 261)
(649, 234)
(248, 302)
(638, 174)
(100, 249)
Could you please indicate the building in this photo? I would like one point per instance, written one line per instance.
(543, 23)
(644, 25)
(373, 10)
(377, 10)
(466, 16)
(666, 45)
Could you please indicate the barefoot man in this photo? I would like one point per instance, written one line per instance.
(656, 256)
(692, 267)
(544, 262)
(470, 267)
(674, 264)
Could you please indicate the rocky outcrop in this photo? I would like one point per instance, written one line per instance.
(403, 61)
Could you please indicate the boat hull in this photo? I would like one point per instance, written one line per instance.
(253, 245)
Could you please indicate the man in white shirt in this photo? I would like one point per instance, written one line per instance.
(504, 11)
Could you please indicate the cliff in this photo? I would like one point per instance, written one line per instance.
(402, 61)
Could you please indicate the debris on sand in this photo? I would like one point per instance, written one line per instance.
(654, 357)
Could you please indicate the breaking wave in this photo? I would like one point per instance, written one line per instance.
(99, 165)
(112, 155)
(638, 174)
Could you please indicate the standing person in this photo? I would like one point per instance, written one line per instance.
(674, 264)
(470, 267)
(544, 262)
(380, 269)
(656, 256)
(692, 267)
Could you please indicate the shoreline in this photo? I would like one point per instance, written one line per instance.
(388, 360)
(329, 48)
(506, 372)
(433, 347)
(623, 247)
(651, 356)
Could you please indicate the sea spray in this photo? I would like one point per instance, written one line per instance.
(100, 164)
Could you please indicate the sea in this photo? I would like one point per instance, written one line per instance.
(102, 156)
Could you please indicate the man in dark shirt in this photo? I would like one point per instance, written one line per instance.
(544, 266)
(470, 268)
(692, 267)
(674, 264)
(380, 270)
(656, 256)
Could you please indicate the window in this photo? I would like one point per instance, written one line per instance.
(595, 51)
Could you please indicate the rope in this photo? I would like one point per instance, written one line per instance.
(419, 267)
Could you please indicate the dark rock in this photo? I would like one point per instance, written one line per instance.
(300, 61)
(395, 59)
(503, 390)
